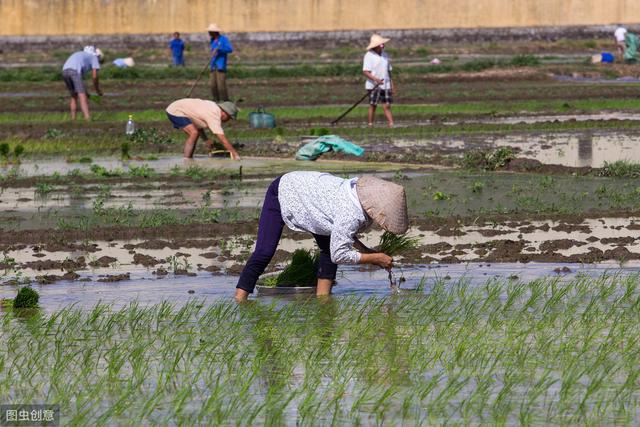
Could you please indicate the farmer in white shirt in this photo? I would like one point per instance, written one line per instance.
(333, 210)
(377, 68)
(620, 34)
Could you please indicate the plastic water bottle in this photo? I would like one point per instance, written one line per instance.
(131, 126)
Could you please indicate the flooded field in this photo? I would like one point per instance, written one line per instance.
(517, 305)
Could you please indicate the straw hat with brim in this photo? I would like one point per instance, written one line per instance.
(230, 108)
(385, 202)
(213, 28)
(129, 62)
(376, 40)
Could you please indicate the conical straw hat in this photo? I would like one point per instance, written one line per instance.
(213, 28)
(376, 40)
(129, 62)
(385, 202)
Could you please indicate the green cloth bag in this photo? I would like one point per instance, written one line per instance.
(631, 51)
(319, 146)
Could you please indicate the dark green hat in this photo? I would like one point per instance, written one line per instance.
(229, 108)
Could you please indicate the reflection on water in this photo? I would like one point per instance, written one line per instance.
(581, 150)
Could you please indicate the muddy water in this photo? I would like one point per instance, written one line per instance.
(366, 284)
(154, 197)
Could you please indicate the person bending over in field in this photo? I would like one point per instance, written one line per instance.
(333, 210)
(73, 71)
(194, 115)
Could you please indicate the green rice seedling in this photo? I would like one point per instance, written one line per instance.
(439, 195)
(84, 159)
(53, 133)
(524, 61)
(319, 131)
(4, 152)
(104, 172)
(301, 271)
(43, 189)
(150, 136)
(95, 98)
(125, 151)
(477, 187)
(396, 244)
(18, 151)
(458, 354)
(26, 298)
(620, 169)
(143, 171)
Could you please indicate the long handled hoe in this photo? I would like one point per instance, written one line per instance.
(353, 106)
(213, 55)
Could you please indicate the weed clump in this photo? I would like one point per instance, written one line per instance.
(620, 169)
(488, 160)
(26, 298)
(302, 271)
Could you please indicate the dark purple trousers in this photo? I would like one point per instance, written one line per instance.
(269, 232)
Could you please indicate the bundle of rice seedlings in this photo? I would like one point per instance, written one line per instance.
(396, 244)
(26, 298)
(302, 271)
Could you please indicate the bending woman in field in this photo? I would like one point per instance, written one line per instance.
(333, 210)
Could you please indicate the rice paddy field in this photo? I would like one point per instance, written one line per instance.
(519, 303)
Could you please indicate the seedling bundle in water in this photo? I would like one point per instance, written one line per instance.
(26, 298)
(395, 244)
(302, 271)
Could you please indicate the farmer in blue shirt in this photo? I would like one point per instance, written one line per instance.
(220, 48)
(177, 50)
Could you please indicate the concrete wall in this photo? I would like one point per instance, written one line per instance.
(75, 17)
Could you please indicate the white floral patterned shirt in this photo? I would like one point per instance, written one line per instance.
(326, 205)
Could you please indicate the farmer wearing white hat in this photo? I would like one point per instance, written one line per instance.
(333, 210)
(194, 115)
(620, 34)
(377, 68)
(73, 71)
(220, 48)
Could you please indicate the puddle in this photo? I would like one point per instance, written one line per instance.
(573, 150)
